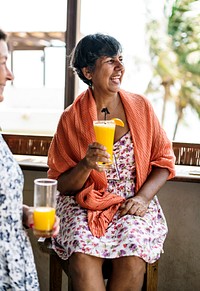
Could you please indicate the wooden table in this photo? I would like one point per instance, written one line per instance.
(187, 174)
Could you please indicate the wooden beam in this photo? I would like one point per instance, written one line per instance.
(71, 38)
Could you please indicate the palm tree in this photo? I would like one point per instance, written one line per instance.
(175, 55)
(163, 62)
(184, 29)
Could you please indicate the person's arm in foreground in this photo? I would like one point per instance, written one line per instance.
(138, 204)
(75, 178)
(28, 219)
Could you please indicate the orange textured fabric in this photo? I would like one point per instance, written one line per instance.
(75, 132)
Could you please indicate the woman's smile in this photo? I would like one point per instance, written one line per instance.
(116, 79)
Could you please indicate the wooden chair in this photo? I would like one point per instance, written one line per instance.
(57, 265)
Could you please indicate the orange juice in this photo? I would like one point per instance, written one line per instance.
(104, 132)
(44, 218)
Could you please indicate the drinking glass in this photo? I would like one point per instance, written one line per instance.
(104, 132)
(45, 191)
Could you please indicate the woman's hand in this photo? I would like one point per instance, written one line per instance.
(96, 153)
(136, 206)
(28, 216)
(29, 223)
(73, 180)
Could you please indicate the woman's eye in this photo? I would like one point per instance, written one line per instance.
(111, 61)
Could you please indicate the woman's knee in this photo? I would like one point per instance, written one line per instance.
(82, 264)
(77, 261)
(86, 272)
(132, 265)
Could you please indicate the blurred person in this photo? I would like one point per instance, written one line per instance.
(17, 267)
(113, 214)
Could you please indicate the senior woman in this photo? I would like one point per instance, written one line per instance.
(112, 214)
(17, 267)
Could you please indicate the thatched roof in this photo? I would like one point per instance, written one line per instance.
(35, 40)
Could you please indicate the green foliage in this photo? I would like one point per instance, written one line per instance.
(175, 54)
(184, 28)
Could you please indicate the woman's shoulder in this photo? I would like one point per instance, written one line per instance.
(135, 97)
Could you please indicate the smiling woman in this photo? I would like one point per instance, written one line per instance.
(115, 205)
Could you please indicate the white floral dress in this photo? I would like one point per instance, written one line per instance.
(129, 235)
(17, 267)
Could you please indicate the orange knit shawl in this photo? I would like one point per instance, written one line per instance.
(74, 134)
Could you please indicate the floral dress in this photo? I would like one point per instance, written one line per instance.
(129, 235)
(17, 267)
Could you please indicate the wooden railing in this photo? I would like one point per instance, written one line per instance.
(28, 144)
(186, 153)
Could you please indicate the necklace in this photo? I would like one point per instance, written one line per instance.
(105, 111)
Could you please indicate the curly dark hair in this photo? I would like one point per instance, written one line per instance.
(89, 49)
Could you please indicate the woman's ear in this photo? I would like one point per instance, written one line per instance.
(87, 73)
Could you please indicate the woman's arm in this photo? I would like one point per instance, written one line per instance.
(74, 179)
(138, 204)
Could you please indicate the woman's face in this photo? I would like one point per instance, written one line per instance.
(5, 74)
(108, 73)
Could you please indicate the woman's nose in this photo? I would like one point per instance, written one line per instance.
(10, 75)
(120, 65)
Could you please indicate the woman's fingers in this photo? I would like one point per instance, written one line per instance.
(129, 207)
(96, 153)
(30, 217)
(97, 150)
(133, 207)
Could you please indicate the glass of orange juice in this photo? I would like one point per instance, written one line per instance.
(45, 191)
(104, 132)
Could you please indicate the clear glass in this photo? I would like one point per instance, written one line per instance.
(105, 132)
(45, 191)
